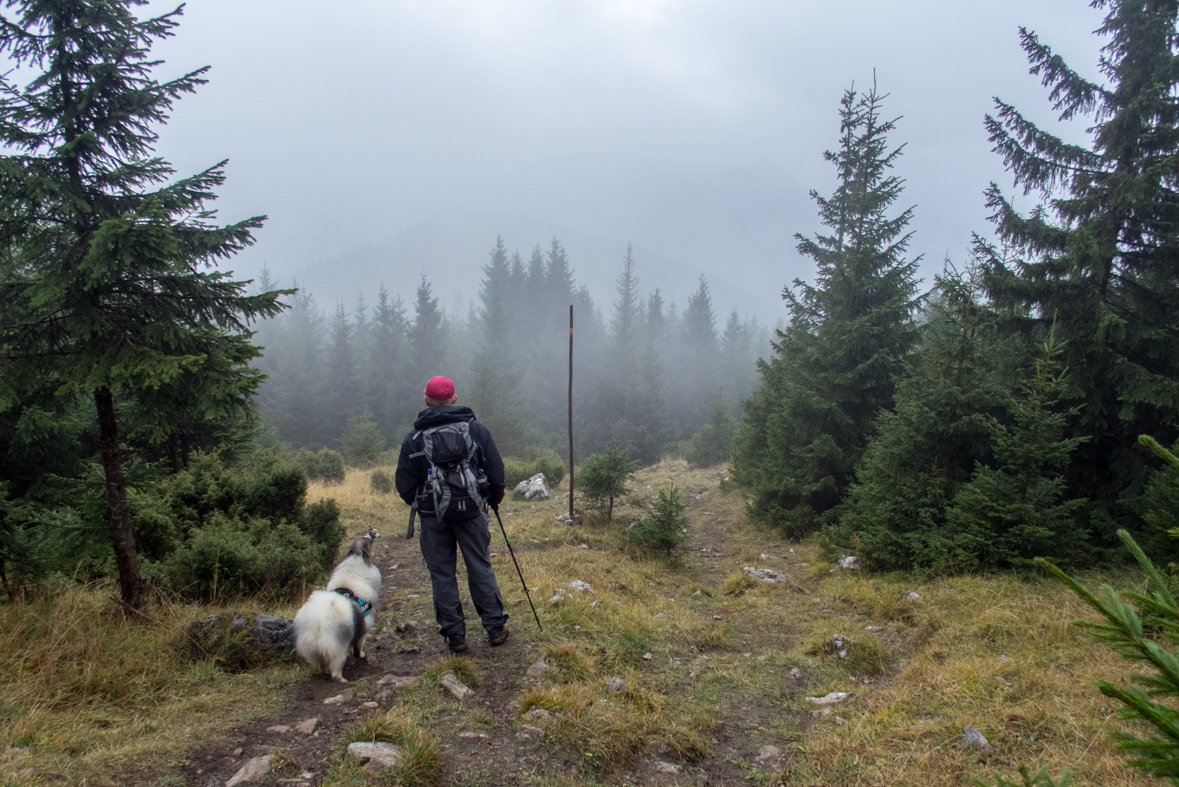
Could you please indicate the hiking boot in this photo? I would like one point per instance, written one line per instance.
(497, 636)
(457, 643)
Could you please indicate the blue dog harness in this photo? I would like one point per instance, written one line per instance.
(366, 606)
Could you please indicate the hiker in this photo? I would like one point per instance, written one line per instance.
(450, 468)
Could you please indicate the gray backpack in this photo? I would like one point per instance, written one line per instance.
(456, 491)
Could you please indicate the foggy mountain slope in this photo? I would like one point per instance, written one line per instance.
(452, 250)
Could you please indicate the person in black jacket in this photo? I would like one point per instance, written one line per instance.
(438, 538)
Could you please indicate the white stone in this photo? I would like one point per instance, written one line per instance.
(279, 728)
(763, 574)
(534, 488)
(767, 753)
(579, 586)
(848, 563)
(339, 698)
(830, 698)
(667, 767)
(796, 673)
(973, 739)
(527, 731)
(538, 668)
(912, 595)
(455, 686)
(647, 657)
(378, 756)
(397, 681)
(252, 771)
(537, 713)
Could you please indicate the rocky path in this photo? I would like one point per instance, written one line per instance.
(306, 732)
(747, 689)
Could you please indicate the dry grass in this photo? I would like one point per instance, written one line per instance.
(932, 667)
(92, 697)
(421, 755)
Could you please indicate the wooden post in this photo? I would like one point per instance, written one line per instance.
(571, 414)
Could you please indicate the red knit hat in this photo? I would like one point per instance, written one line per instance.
(439, 389)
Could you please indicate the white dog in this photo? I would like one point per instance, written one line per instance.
(342, 615)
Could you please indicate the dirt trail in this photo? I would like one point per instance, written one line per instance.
(405, 597)
(480, 746)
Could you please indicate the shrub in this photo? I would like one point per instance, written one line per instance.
(363, 443)
(713, 441)
(666, 528)
(605, 477)
(380, 481)
(517, 470)
(212, 530)
(324, 465)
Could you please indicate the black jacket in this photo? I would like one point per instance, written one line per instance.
(411, 473)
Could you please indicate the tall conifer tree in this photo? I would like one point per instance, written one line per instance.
(103, 250)
(849, 333)
(1102, 253)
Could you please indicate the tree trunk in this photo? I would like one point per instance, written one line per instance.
(7, 586)
(122, 536)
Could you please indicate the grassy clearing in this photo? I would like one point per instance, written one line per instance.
(996, 652)
(93, 698)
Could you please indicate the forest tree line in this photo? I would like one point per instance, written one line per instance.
(646, 373)
(990, 419)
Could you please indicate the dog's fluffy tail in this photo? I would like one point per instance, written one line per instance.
(323, 631)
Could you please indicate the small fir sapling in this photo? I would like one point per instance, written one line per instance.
(606, 477)
(666, 528)
(1142, 627)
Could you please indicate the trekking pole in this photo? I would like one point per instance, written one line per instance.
(518, 571)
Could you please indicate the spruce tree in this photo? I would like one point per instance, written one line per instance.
(835, 364)
(389, 389)
(938, 433)
(107, 257)
(1101, 254)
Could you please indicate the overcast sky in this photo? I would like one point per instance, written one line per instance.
(694, 128)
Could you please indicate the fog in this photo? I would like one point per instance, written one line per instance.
(384, 139)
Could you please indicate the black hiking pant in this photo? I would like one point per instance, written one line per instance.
(438, 542)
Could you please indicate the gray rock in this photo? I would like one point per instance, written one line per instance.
(307, 727)
(252, 771)
(973, 739)
(538, 668)
(796, 673)
(848, 563)
(830, 698)
(841, 645)
(377, 756)
(264, 633)
(763, 574)
(768, 753)
(528, 732)
(456, 687)
(339, 699)
(397, 681)
(579, 586)
(538, 713)
(534, 488)
(279, 728)
(667, 767)
(912, 595)
(616, 685)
